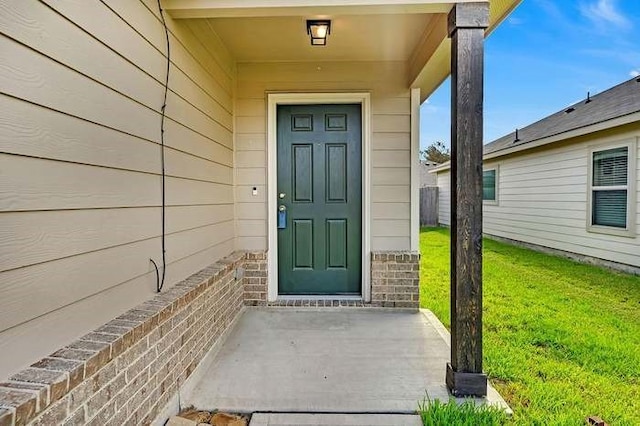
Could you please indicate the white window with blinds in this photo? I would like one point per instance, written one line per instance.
(611, 189)
(490, 185)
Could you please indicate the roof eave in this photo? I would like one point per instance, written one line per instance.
(570, 134)
(442, 167)
(189, 9)
(582, 131)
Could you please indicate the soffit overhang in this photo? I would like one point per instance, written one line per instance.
(412, 31)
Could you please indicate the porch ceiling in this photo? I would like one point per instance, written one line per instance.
(414, 31)
(353, 37)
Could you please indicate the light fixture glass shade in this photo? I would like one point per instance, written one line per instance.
(318, 30)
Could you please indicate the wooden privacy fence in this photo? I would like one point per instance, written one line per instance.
(429, 206)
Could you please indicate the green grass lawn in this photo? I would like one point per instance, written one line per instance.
(561, 339)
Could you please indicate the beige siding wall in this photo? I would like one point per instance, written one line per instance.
(80, 95)
(390, 209)
(543, 200)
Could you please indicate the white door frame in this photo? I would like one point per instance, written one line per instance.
(275, 99)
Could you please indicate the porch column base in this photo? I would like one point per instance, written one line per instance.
(466, 384)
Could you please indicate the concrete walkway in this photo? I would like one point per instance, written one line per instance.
(326, 360)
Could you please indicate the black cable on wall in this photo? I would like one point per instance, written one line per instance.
(160, 280)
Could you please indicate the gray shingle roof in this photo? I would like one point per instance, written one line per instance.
(620, 100)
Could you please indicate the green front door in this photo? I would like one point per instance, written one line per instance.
(320, 193)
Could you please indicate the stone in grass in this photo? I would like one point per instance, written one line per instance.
(223, 419)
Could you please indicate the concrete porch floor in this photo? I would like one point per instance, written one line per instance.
(326, 360)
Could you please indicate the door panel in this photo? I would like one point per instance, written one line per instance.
(302, 173)
(336, 243)
(336, 176)
(303, 243)
(320, 175)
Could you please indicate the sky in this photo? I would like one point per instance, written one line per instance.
(544, 57)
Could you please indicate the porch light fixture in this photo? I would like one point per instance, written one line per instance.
(318, 30)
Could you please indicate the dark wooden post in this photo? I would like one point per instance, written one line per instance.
(467, 22)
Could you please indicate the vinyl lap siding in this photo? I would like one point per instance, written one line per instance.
(390, 154)
(81, 87)
(543, 200)
(444, 198)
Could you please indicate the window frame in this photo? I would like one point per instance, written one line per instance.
(493, 202)
(630, 187)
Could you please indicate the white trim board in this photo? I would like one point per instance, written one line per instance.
(275, 99)
(415, 170)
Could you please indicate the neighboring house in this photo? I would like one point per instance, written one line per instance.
(426, 178)
(569, 182)
(292, 168)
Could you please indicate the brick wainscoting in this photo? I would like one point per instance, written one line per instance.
(127, 370)
(255, 278)
(395, 283)
(395, 279)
